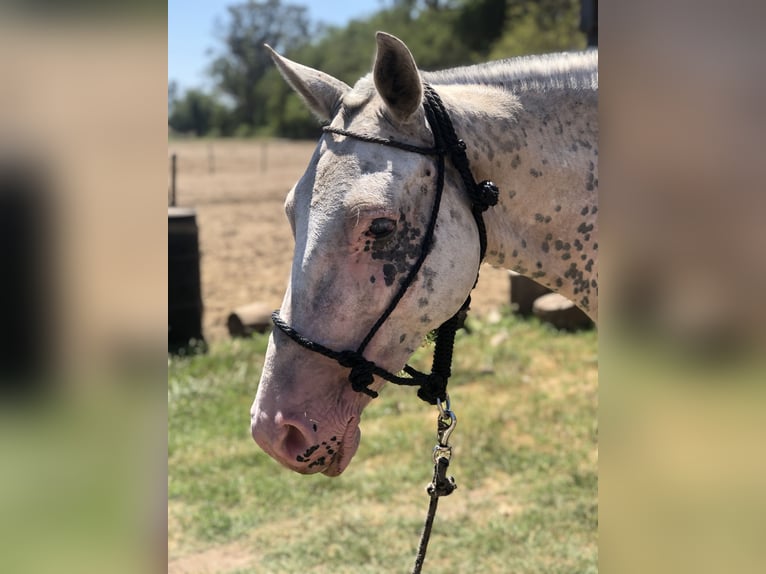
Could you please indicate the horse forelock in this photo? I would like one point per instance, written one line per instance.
(360, 94)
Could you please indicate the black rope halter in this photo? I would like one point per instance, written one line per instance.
(483, 195)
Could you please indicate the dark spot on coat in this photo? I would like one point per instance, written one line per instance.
(534, 173)
(585, 227)
(512, 194)
(372, 278)
(557, 208)
(539, 264)
(559, 282)
(389, 273)
(578, 245)
(589, 266)
(566, 256)
(539, 217)
(584, 210)
(559, 245)
(422, 302)
(547, 219)
(515, 161)
(524, 243)
(402, 337)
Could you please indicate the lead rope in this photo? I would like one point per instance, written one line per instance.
(441, 484)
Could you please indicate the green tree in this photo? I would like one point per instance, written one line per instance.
(240, 69)
(539, 26)
(195, 113)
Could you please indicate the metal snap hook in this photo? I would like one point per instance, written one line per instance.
(446, 423)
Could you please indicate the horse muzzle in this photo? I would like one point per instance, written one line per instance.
(302, 445)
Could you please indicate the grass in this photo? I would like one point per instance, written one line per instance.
(525, 461)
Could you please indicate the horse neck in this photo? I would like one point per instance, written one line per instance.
(544, 159)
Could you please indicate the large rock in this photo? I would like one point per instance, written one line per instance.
(560, 312)
(524, 291)
(249, 319)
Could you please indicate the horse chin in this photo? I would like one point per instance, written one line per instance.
(346, 451)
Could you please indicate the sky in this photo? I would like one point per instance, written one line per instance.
(191, 24)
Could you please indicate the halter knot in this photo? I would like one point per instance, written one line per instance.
(486, 194)
(433, 387)
(362, 371)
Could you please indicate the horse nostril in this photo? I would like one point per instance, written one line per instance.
(294, 444)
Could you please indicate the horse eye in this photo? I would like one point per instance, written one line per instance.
(381, 228)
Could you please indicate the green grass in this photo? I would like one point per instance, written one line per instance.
(525, 461)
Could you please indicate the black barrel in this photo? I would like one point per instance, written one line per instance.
(184, 292)
(28, 317)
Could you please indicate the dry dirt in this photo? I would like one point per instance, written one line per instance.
(238, 190)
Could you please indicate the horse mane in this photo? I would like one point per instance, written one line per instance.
(566, 70)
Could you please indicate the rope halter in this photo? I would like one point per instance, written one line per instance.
(482, 195)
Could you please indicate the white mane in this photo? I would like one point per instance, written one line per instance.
(572, 70)
(566, 70)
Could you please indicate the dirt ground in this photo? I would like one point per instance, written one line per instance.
(238, 189)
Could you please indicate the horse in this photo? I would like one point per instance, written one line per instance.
(380, 260)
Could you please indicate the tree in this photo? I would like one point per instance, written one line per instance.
(539, 26)
(172, 95)
(239, 70)
(196, 113)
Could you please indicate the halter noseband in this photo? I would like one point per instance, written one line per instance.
(483, 195)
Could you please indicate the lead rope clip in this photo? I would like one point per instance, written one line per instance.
(441, 485)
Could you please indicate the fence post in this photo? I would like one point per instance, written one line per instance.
(173, 180)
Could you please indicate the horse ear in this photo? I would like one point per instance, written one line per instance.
(321, 92)
(397, 78)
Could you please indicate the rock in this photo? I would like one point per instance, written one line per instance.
(560, 312)
(524, 291)
(249, 319)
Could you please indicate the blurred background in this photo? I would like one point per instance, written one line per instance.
(85, 135)
(222, 83)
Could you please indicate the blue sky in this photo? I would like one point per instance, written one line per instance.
(191, 25)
